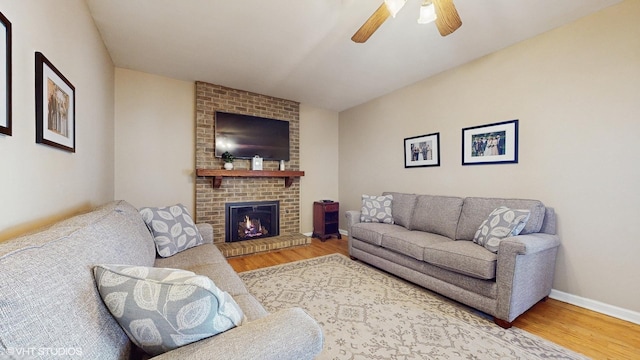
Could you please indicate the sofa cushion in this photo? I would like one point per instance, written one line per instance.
(463, 257)
(476, 210)
(411, 243)
(207, 260)
(373, 232)
(204, 254)
(437, 214)
(402, 208)
(172, 227)
(376, 209)
(501, 223)
(163, 309)
(222, 275)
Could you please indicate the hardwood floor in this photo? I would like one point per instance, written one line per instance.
(592, 334)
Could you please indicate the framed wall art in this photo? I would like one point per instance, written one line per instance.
(490, 144)
(5, 75)
(55, 107)
(421, 151)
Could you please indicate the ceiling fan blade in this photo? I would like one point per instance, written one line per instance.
(448, 19)
(371, 25)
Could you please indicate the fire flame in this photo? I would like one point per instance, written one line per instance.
(251, 228)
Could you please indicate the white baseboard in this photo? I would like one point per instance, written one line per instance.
(597, 306)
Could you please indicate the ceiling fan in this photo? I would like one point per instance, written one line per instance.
(442, 11)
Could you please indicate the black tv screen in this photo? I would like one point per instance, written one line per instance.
(245, 136)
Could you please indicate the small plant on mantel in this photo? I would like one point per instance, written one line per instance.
(228, 160)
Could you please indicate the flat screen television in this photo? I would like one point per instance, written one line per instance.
(245, 136)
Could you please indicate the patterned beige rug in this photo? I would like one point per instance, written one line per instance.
(368, 314)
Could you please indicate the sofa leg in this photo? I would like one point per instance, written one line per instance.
(502, 323)
(353, 258)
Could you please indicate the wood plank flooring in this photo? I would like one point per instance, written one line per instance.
(592, 334)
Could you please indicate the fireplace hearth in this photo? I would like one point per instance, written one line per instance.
(251, 220)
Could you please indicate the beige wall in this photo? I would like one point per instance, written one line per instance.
(318, 159)
(39, 183)
(155, 137)
(575, 91)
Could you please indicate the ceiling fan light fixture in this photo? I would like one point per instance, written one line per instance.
(394, 6)
(427, 13)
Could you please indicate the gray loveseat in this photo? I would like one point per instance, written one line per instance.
(430, 244)
(50, 306)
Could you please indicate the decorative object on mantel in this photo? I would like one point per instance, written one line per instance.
(281, 165)
(256, 163)
(490, 144)
(217, 175)
(55, 107)
(228, 160)
(5, 75)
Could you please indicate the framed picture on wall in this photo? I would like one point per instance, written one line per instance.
(421, 151)
(55, 107)
(490, 144)
(5, 75)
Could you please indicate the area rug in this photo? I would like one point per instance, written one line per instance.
(366, 313)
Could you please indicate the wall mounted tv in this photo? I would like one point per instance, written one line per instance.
(245, 136)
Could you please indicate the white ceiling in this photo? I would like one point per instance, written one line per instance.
(302, 50)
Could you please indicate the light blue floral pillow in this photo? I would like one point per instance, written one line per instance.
(376, 209)
(172, 227)
(163, 309)
(502, 222)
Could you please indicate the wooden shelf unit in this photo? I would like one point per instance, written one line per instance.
(217, 175)
(325, 220)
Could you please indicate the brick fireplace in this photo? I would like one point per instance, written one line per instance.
(210, 201)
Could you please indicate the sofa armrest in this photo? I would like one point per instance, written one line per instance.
(285, 334)
(353, 217)
(527, 244)
(206, 230)
(525, 271)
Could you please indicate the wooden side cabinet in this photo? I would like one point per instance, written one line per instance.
(325, 220)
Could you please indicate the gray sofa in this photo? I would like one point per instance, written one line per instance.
(430, 244)
(50, 306)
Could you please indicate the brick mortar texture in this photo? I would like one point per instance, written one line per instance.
(209, 201)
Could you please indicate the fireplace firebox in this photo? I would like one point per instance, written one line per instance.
(251, 220)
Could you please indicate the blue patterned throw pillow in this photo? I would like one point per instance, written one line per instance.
(502, 222)
(163, 309)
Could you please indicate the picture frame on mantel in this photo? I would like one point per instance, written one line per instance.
(55, 107)
(5, 76)
(422, 151)
(495, 143)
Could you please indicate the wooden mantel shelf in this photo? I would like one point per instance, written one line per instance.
(217, 175)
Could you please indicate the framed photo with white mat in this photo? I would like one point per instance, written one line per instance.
(422, 151)
(55, 107)
(495, 143)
